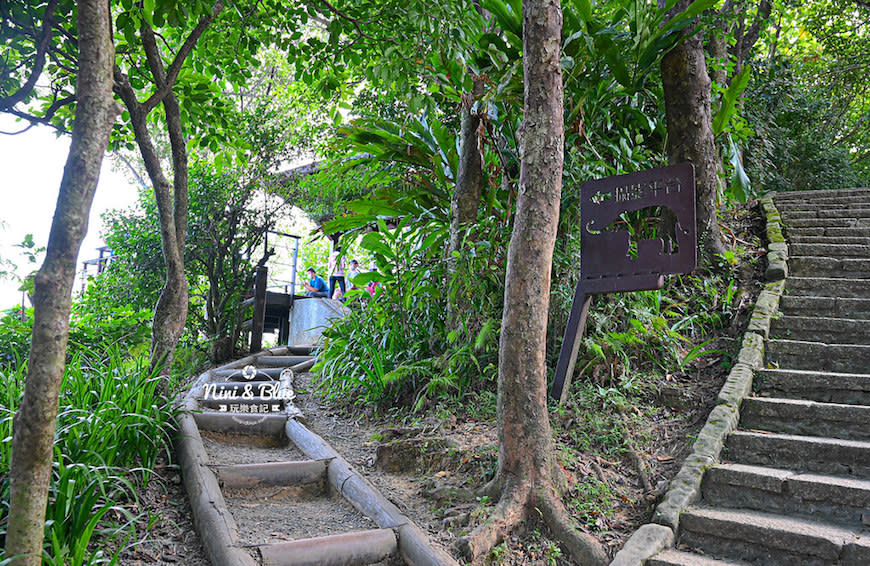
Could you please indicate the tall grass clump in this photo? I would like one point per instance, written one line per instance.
(113, 424)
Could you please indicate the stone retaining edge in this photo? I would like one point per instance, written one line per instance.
(777, 249)
(685, 488)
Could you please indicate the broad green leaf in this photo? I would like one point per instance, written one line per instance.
(729, 100)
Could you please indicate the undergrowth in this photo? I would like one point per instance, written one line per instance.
(112, 427)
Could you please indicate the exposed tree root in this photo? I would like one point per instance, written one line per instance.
(582, 547)
(507, 515)
(492, 489)
(639, 467)
(513, 508)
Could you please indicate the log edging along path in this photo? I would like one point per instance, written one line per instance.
(685, 489)
(215, 524)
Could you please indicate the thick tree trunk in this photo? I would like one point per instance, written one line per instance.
(527, 476)
(34, 423)
(690, 131)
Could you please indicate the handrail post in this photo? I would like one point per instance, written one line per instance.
(259, 318)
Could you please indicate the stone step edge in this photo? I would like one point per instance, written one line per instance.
(817, 193)
(684, 557)
(787, 482)
(685, 488)
(759, 525)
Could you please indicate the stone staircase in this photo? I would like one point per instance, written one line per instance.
(793, 483)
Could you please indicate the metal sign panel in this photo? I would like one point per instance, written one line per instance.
(616, 257)
(607, 251)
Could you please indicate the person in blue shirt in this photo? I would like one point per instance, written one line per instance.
(316, 286)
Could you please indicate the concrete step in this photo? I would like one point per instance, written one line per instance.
(831, 232)
(851, 388)
(839, 268)
(852, 222)
(808, 418)
(819, 455)
(823, 212)
(673, 557)
(802, 206)
(821, 196)
(848, 288)
(831, 307)
(817, 356)
(821, 329)
(830, 249)
(796, 239)
(832, 499)
(772, 540)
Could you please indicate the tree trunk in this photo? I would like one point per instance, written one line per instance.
(527, 476)
(469, 178)
(34, 423)
(690, 131)
(170, 313)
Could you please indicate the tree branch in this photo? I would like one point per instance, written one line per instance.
(49, 114)
(7, 102)
(178, 61)
(356, 23)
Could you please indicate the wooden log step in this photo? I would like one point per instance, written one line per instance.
(236, 389)
(281, 361)
(262, 424)
(243, 405)
(413, 542)
(238, 476)
(348, 549)
(260, 374)
(301, 349)
(210, 512)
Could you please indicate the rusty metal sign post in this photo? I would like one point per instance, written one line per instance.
(609, 263)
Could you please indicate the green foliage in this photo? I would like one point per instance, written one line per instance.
(400, 346)
(228, 220)
(794, 147)
(92, 329)
(112, 428)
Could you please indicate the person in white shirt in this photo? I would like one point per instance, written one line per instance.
(336, 271)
